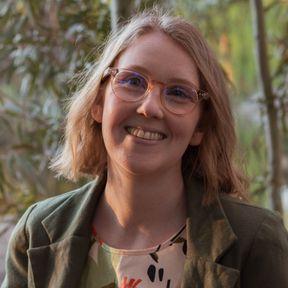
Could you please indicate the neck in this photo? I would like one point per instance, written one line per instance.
(142, 203)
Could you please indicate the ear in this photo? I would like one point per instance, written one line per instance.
(196, 138)
(97, 112)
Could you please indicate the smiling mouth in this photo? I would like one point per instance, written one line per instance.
(148, 135)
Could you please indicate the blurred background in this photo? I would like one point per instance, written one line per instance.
(43, 44)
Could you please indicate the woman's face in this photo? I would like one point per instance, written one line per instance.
(158, 56)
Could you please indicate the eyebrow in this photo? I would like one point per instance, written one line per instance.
(143, 70)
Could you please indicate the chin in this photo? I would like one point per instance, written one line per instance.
(140, 168)
(139, 165)
(144, 167)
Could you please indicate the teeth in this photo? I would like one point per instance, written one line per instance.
(139, 132)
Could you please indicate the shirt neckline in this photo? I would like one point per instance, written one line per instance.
(175, 238)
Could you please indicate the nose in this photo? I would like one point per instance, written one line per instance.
(151, 106)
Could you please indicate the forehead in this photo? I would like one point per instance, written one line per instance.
(160, 56)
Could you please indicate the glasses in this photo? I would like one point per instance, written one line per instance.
(131, 86)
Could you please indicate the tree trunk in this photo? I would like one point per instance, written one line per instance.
(121, 10)
(273, 135)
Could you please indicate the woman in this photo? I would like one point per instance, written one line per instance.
(154, 125)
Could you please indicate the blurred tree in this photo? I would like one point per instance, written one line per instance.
(121, 10)
(274, 140)
(43, 44)
(228, 27)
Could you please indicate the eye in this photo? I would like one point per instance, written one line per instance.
(131, 80)
(180, 94)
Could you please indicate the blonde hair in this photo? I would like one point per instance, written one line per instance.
(84, 153)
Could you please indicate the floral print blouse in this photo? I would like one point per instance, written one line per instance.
(161, 266)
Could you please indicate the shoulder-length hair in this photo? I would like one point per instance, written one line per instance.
(84, 153)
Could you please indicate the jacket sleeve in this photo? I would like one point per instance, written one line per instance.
(267, 262)
(16, 266)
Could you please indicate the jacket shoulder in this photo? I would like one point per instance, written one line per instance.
(261, 236)
(261, 250)
(30, 224)
(43, 208)
(29, 233)
(248, 221)
(245, 215)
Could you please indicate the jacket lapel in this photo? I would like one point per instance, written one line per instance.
(69, 231)
(209, 236)
(62, 261)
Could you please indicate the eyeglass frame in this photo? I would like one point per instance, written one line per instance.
(113, 71)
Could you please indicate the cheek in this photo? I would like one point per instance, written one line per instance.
(110, 106)
(115, 113)
(109, 99)
(185, 129)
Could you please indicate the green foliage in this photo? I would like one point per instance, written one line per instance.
(278, 40)
(43, 44)
(228, 27)
(230, 35)
(253, 149)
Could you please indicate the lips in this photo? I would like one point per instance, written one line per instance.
(145, 133)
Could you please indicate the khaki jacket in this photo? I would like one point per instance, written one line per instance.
(229, 244)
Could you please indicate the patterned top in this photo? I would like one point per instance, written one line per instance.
(159, 266)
